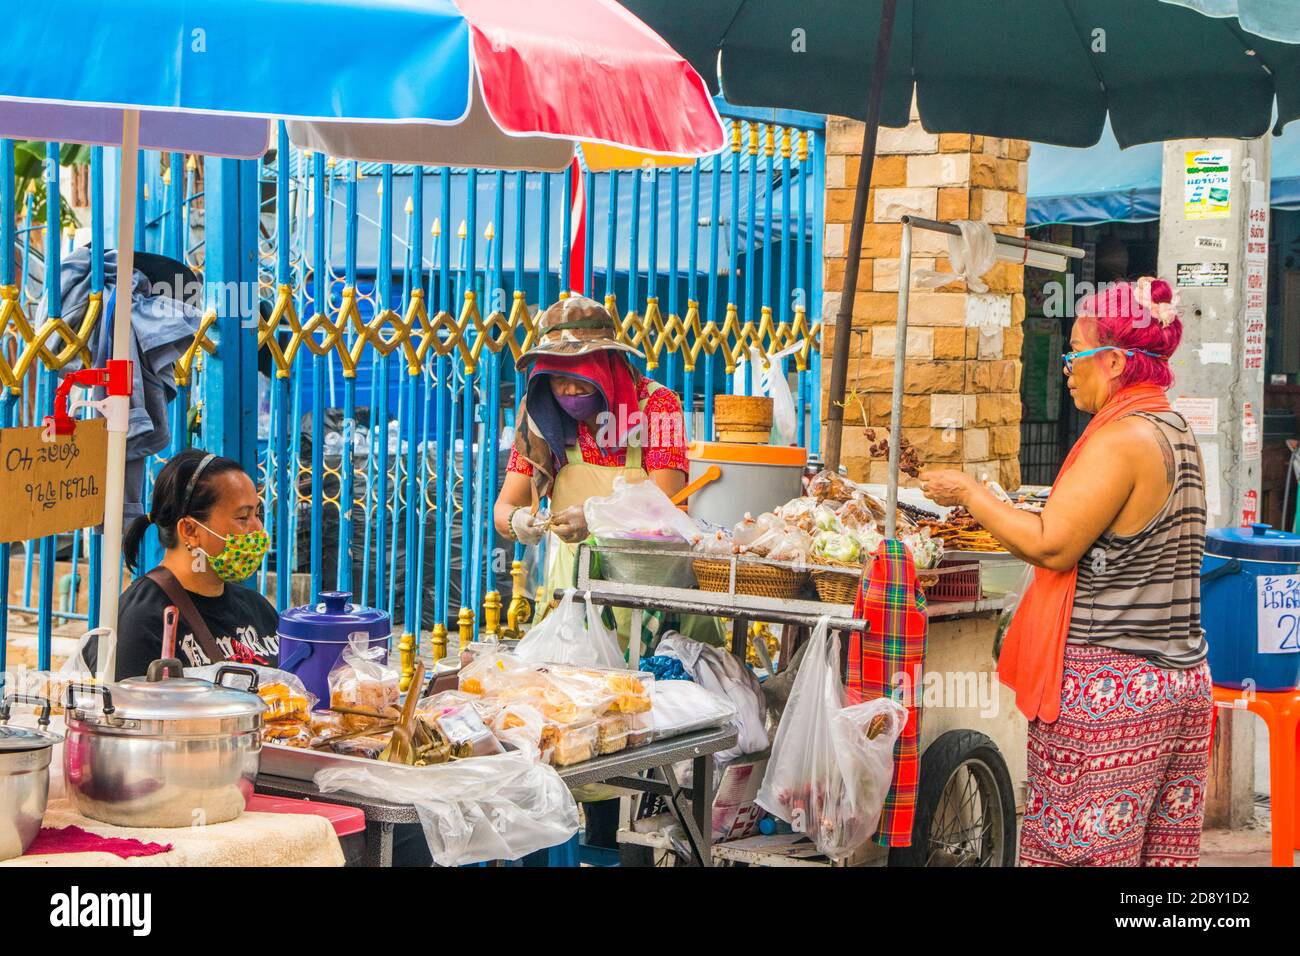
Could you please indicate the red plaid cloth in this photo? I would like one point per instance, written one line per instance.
(893, 603)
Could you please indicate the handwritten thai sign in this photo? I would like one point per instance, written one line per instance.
(1279, 613)
(51, 483)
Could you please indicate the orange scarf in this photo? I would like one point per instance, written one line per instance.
(1033, 655)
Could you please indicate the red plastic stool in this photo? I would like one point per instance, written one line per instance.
(345, 820)
(1280, 711)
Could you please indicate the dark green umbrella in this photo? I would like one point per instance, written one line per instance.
(1043, 70)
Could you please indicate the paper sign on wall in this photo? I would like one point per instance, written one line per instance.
(1252, 353)
(51, 486)
(1215, 353)
(1202, 414)
(1207, 184)
(1249, 433)
(1278, 623)
(1202, 274)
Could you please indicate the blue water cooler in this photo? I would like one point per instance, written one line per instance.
(1250, 607)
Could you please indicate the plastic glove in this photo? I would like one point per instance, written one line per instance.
(527, 527)
(570, 525)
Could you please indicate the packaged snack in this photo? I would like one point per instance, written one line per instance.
(368, 747)
(363, 679)
(284, 703)
(826, 485)
(464, 729)
(611, 733)
(574, 745)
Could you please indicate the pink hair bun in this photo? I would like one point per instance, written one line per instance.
(1161, 291)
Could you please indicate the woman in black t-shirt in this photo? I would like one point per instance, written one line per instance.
(209, 521)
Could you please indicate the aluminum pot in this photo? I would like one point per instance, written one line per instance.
(163, 751)
(24, 777)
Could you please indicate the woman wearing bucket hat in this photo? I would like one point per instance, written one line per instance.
(587, 417)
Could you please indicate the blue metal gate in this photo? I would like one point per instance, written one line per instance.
(386, 311)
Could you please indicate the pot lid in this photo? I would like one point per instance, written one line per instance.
(334, 619)
(1259, 542)
(181, 698)
(14, 739)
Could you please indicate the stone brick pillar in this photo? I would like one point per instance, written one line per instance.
(961, 406)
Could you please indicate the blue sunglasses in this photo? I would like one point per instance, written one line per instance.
(1069, 357)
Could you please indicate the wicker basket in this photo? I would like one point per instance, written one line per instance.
(758, 580)
(836, 587)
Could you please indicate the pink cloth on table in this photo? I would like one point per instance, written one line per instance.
(77, 840)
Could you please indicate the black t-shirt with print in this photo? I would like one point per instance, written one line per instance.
(239, 614)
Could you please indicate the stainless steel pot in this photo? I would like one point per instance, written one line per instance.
(24, 777)
(163, 751)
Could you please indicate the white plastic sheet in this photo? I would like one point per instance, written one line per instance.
(472, 811)
(825, 777)
(639, 510)
(721, 672)
(972, 254)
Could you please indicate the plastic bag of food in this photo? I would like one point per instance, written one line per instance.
(836, 546)
(363, 679)
(284, 693)
(927, 552)
(826, 485)
(828, 774)
(861, 512)
(571, 635)
(791, 545)
(502, 679)
(638, 510)
(522, 727)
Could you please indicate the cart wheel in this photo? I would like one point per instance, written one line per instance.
(965, 806)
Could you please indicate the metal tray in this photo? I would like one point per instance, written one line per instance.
(297, 763)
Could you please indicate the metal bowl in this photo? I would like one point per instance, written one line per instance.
(24, 778)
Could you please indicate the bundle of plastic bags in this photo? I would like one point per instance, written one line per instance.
(572, 635)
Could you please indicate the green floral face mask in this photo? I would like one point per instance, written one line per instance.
(242, 555)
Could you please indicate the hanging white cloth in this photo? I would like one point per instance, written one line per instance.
(972, 254)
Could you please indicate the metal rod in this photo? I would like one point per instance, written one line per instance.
(844, 317)
(1017, 242)
(900, 361)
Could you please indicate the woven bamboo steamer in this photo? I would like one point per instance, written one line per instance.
(743, 437)
(742, 413)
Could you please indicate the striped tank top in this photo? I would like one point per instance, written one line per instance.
(1141, 593)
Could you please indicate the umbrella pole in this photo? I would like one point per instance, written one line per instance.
(115, 479)
(844, 317)
(900, 362)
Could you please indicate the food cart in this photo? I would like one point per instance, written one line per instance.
(972, 750)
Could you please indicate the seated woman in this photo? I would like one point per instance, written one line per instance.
(209, 521)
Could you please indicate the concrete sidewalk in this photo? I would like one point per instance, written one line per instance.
(1249, 846)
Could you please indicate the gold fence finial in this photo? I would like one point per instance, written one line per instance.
(438, 642)
(518, 612)
(406, 647)
(465, 624)
(492, 616)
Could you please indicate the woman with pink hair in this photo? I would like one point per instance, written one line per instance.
(1105, 652)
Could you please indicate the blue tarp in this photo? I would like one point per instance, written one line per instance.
(1104, 183)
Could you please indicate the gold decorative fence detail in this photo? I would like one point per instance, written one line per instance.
(417, 334)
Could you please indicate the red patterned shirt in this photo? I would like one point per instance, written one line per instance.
(665, 436)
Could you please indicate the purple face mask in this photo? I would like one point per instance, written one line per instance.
(581, 407)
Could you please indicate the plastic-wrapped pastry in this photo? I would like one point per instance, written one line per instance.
(368, 747)
(611, 734)
(574, 745)
(282, 703)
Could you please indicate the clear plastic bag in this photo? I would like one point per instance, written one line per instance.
(363, 679)
(639, 510)
(287, 699)
(826, 777)
(570, 635)
(489, 808)
(721, 672)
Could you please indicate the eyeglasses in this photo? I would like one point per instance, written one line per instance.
(1069, 358)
